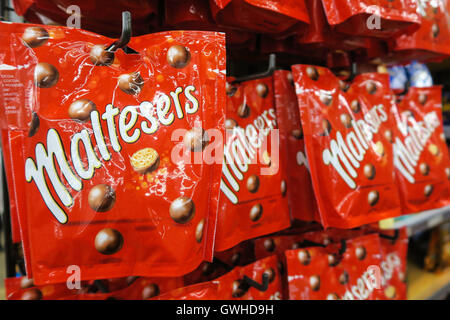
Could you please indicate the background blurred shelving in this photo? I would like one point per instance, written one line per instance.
(424, 285)
(418, 222)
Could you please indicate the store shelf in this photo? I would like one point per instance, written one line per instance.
(426, 285)
(418, 222)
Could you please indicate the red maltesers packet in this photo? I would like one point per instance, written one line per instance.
(111, 143)
(348, 141)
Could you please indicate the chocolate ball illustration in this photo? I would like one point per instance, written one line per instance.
(332, 260)
(230, 124)
(81, 109)
(256, 212)
(371, 87)
(150, 291)
(369, 171)
(344, 86)
(373, 197)
(262, 90)
(312, 73)
(360, 253)
(304, 257)
(199, 230)
(34, 124)
(346, 120)
(270, 273)
(290, 78)
(297, 133)
(230, 89)
(344, 277)
(101, 198)
(326, 126)
(100, 56)
(332, 296)
(208, 269)
(428, 190)
(355, 106)
(423, 99)
(26, 283)
(243, 110)
(388, 136)
(108, 241)
(235, 259)
(314, 282)
(182, 210)
(269, 245)
(253, 183)
(196, 139)
(131, 83)
(435, 30)
(178, 56)
(283, 188)
(35, 36)
(32, 294)
(239, 288)
(326, 99)
(45, 75)
(424, 169)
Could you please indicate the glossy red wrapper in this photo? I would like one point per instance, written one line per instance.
(253, 187)
(302, 203)
(139, 289)
(277, 245)
(420, 152)
(393, 265)
(196, 15)
(120, 131)
(232, 286)
(431, 41)
(22, 288)
(200, 291)
(97, 16)
(264, 16)
(320, 38)
(356, 17)
(347, 130)
(317, 273)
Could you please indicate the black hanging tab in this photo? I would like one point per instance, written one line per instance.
(394, 237)
(343, 247)
(353, 72)
(125, 37)
(270, 70)
(263, 286)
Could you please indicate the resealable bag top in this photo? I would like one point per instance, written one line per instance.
(431, 42)
(97, 16)
(109, 141)
(372, 18)
(348, 141)
(253, 199)
(262, 16)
